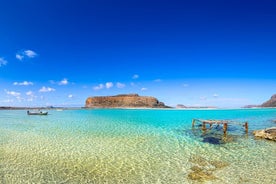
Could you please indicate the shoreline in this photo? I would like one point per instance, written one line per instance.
(129, 108)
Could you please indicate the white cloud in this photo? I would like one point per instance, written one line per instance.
(25, 54)
(99, 87)
(215, 95)
(24, 83)
(70, 96)
(3, 62)
(109, 85)
(46, 89)
(29, 93)
(135, 76)
(120, 85)
(30, 53)
(63, 82)
(13, 93)
(19, 57)
(144, 89)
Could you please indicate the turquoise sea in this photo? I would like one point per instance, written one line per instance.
(134, 146)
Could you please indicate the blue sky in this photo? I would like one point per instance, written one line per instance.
(219, 53)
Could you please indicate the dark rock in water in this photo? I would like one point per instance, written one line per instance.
(212, 140)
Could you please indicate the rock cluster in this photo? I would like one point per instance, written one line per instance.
(123, 101)
(269, 133)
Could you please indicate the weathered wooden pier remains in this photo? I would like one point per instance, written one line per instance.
(224, 123)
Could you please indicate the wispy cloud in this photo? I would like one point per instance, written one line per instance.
(70, 96)
(46, 89)
(99, 87)
(185, 85)
(63, 82)
(31, 96)
(13, 93)
(30, 53)
(24, 83)
(25, 54)
(7, 101)
(144, 89)
(3, 62)
(19, 57)
(108, 85)
(29, 93)
(120, 85)
(157, 80)
(215, 95)
(135, 76)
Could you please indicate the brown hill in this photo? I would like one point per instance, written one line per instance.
(123, 101)
(271, 102)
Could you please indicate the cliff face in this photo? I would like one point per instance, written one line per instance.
(128, 100)
(271, 102)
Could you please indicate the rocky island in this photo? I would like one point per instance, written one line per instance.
(124, 101)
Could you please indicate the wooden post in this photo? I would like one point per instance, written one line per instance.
(203, 126)
(224, 128)
(193, 123)
(246, 127)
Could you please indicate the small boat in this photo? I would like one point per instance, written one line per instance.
(37, 113)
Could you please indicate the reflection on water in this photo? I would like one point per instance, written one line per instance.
(129, 146)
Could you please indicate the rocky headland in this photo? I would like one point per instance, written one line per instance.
(271, 102)
(124, 101)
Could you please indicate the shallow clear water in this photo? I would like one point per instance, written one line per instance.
(134, 146)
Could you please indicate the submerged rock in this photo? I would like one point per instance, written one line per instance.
(212, 140)
(203, 169)
(217, 139)
(269, 133)
(200, 174)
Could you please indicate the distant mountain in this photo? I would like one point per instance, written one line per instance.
(124, 101)
(251, 106)
(271, 102)
(180, 106)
